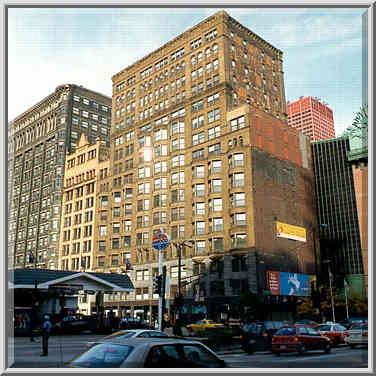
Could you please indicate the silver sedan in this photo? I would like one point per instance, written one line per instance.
(132, 333)
(147, 353)
(358, 335)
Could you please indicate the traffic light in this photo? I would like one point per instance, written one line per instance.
(157, 284)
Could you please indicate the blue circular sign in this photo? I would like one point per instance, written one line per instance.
(160, 240)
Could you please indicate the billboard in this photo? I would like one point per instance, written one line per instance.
(283, 283)
(287, 231)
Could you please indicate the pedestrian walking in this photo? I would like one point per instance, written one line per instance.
(46, 329)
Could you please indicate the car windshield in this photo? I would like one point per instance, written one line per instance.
(285, 332)
(324, 328)
(103, 355)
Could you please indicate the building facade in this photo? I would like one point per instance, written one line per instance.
(312, 117)
(38, 141)
(77, 236)
(200, 147)
(337, 210)
(358, 158)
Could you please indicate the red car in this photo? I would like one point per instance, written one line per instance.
(299, 339)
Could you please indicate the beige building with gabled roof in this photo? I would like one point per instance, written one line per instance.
(83, 169)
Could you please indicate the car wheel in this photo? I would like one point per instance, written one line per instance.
(276, 353)
(352, 346)
(327, 348)
(336, 342)
(302, 350)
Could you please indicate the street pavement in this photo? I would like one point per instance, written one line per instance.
(63, 348)
(340, 357)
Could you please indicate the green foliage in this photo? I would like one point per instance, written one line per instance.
(357, 306)
(359, 126)
(361, 118)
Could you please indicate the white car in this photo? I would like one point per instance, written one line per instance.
(147, 353)
(132, 333)
(357, 335)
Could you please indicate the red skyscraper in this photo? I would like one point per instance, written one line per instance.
(312, 117)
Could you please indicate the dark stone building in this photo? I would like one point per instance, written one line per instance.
(337, 210)
(38, 142)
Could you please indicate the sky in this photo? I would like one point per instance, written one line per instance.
(47, 47)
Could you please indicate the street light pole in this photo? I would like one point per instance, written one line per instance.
(179, 278)
(179, 246)
(331, 289)
(331, 293)
(317, 273)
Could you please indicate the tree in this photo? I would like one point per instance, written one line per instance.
(359, 126)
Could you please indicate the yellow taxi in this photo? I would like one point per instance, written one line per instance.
(204, 324)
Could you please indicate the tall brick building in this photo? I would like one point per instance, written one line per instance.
(38, 141)
(200, 146)
(312, 117)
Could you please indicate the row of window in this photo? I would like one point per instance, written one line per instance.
(88, 102)
(178, 127)
(161, 63)
(87, 115)
(80, 178)
(201, 246)
(198, 209)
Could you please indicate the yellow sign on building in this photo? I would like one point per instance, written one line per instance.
(285, 230)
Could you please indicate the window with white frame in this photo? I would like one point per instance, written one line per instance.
(237, 123)
(198, 138)
(177, 160)
(200, 228)
(177, 127)
(200, 246)
(200, 208)
(200, 171)
(214, 132)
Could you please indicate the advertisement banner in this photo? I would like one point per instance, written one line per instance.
(273, 283)
(293, 284)
(287, 231)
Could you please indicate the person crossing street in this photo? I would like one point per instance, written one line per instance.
(46, 329)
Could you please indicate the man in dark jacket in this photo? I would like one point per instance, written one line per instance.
(46, 330)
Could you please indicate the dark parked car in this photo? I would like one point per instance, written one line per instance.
(347, 323)
(258, 336)
(74, 324)
(131, 323)
(299, 339)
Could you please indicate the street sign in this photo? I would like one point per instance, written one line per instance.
(65, 288)
(160, 240)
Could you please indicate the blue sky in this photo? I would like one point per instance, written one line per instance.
(50, 46)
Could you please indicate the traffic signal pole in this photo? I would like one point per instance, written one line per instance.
(160, 301)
